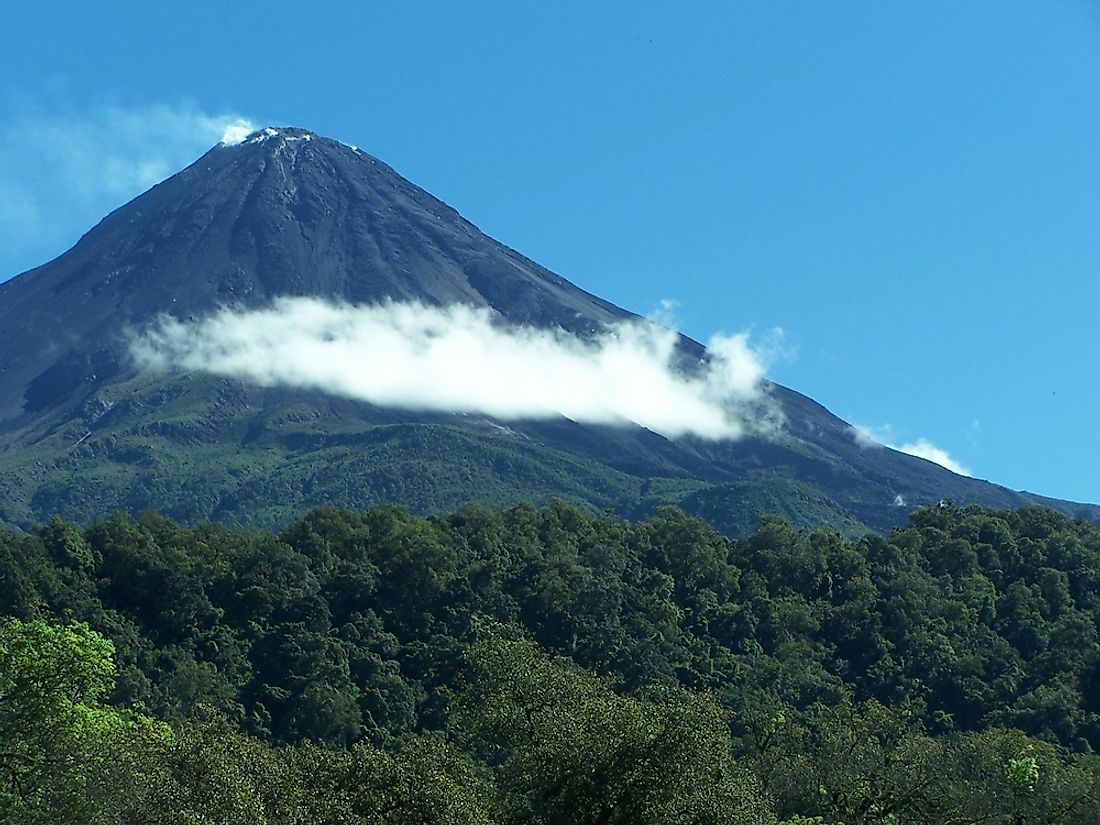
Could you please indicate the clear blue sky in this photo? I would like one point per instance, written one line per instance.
(910, 190)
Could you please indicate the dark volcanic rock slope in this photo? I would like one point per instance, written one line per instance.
(287, 213)
(284, 213)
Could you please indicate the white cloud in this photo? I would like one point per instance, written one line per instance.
(463, 359)
(921, 448)
(869, 436)
(665, 312)
(63, 168)
(237, 131)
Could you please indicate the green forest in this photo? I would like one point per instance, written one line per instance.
(541, 665)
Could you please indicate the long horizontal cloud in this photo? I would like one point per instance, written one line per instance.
(461, 359)
(921, 448)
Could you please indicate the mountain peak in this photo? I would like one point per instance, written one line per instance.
(280, 137)
(285, 147)
(236, 136)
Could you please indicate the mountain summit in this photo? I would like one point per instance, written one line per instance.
(285, 212)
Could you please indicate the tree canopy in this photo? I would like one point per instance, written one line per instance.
(541, 665)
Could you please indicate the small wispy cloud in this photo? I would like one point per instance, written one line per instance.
(237, 131)
(870, 437)
(974, 432)
(63, 168)
(923, 448)
(867, 436)
(462, 359)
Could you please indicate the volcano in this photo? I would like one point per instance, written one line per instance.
(287, 213)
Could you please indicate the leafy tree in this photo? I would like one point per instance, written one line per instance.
(51, 679)
(61, 749)
(425, 782)
(566, 749)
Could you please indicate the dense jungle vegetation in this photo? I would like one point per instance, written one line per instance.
(543, 666)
